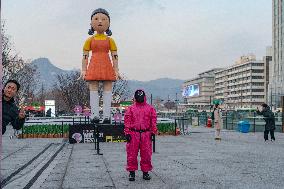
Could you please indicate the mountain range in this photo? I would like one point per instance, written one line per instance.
(164, 88)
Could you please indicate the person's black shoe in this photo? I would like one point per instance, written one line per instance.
(95, 120)
(131, 176)
(146, 176)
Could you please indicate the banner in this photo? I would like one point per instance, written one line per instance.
(85, 133)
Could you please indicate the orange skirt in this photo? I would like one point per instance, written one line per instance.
(100, 68)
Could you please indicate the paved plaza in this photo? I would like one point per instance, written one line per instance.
(192, 161)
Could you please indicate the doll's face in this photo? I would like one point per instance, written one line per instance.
(100, 22)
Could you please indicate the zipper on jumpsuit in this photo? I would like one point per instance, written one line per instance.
(140, 131)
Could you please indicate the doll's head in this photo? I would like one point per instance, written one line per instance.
(100, 22)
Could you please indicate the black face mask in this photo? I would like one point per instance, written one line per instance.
(139, 96)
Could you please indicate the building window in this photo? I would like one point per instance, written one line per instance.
(257, 77)
(257, 90)
(258, 84)
(257, 71)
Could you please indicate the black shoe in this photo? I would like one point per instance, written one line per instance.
(95, 120)
(132, 176)
(146, 176)
(106, 121)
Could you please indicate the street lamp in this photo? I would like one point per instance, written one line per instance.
(176, 103)
(210, 103)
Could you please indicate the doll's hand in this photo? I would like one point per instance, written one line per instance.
(82, 76)
(117, 75)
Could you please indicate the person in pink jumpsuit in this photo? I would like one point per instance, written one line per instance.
(140, 125)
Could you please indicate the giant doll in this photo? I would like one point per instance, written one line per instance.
(102, 66)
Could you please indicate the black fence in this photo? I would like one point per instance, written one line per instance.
(230, 120)
(78, 130)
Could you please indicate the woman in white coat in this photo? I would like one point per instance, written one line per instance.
(218, 121)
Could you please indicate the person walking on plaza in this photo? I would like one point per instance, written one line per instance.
(140, 125)
(218, 121)
(10, 112)
(269, 119)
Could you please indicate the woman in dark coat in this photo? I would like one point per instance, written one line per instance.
(269, 119)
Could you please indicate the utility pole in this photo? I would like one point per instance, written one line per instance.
(271, 96)
(176, 104)
(210, 103)
(168, 102)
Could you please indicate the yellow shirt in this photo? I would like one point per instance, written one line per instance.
(87, 45)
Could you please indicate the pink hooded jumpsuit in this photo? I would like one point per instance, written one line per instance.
(140, 122)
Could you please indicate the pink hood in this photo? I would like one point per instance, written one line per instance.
(145, 98)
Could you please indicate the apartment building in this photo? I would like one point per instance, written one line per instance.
(244, 84)
(276, 86)
(199, 92)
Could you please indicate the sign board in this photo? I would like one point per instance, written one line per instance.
(49, 106)
(126, 103)
(84, 133)
(49, 102)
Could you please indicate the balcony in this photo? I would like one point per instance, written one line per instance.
(258, 93)
(257, 87)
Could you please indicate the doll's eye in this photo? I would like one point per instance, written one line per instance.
(96, 18)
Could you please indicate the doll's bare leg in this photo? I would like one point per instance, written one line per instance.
(94, 99)
(107, 98)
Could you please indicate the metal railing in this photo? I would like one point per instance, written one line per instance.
(230, 120)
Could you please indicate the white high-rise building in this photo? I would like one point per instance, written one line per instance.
(242, 85)
(277, 84)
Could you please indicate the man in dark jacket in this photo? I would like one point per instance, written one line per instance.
(48, 113)
(269, 119)
(10, 112)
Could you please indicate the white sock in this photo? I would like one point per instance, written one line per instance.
(216, 133)
(107, 97)
(94, 103)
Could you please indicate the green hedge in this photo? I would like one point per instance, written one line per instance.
(57, 129)
(45, 129)
(166, 127)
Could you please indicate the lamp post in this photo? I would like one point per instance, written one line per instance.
(210, 104)
(168, 103)
(176, 104)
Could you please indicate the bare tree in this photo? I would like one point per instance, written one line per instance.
(42, 94)
(170, 105)
(158, 103)
(27, 77)
(14, 67)
(121, 91)
(73, 91)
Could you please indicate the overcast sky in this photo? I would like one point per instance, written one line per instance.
(155, 38)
